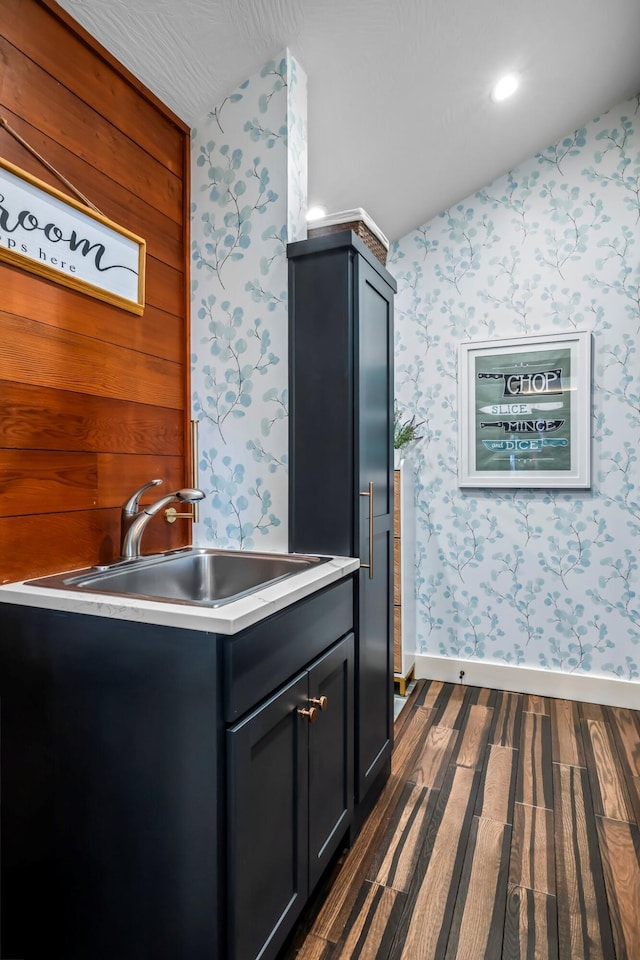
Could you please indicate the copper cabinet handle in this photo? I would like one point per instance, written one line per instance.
(311, 714)
(369, 493)
(321, 702)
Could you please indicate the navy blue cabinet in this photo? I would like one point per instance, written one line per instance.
(341, 455)
(110, 814)
(290, 801)
(162, 794)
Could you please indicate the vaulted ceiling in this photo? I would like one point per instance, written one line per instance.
(401, 122)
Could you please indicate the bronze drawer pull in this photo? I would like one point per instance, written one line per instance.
(321, 702)
(311, 714)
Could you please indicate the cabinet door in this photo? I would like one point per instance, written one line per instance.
(374, 659)
(267, 839)
(375, 387)
(330, 755)
(374, 706)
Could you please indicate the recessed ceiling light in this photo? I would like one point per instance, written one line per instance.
(316, 213)
(505, 87)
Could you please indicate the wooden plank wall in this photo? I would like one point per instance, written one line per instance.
(93, 399)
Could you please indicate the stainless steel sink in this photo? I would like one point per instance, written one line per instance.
(192, 575)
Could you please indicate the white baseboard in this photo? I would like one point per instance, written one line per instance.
(544, 683)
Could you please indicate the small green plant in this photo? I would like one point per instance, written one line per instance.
(404, 431)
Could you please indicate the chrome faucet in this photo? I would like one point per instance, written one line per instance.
(134, 520)
(131, 509)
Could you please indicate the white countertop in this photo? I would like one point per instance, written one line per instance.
(227, 619)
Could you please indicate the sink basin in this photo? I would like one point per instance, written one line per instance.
(191, 575)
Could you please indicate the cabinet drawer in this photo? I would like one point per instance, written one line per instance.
(261, 658)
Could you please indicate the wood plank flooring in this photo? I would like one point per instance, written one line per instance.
(508, 830)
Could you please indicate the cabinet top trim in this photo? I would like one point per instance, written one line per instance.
(332, 242)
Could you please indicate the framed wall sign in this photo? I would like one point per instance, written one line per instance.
(48, 233)
(524, 412)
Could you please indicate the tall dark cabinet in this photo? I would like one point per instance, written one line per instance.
(341, 456)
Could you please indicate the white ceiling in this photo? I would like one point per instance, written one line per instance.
(400, 118)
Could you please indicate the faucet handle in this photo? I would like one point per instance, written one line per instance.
(130, 508)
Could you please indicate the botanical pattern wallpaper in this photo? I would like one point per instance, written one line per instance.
(543, 578)
(249, 190)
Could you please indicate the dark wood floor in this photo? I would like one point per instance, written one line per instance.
(509, 830)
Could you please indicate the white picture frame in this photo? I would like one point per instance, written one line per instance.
(524, 411)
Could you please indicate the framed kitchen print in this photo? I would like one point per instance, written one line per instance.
(524, 415)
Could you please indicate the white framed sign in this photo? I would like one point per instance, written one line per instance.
(48, 233)
(524, 415)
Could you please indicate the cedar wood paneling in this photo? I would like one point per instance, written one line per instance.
(93, 399)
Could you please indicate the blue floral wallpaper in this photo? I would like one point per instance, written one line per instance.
(540, 578)
(249, 197)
